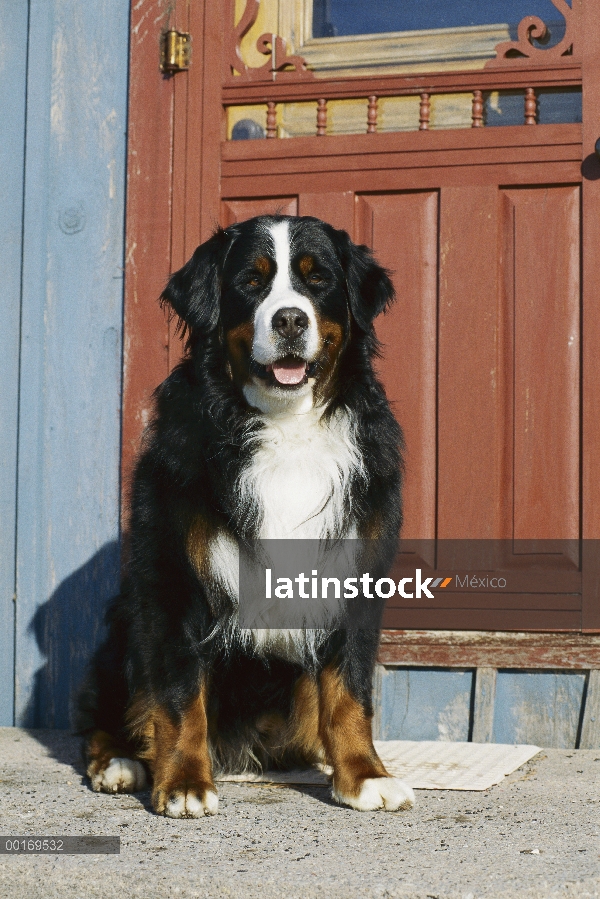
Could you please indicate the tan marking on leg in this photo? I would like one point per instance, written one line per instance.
(272, 728)
(304, 740)
(178, 757)
(294, 742)
(359, 777)
(346, 733)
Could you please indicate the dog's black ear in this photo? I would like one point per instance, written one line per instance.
(370, 290)
(194, 292)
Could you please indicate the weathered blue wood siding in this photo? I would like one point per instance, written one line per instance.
(542, 707)
(425, 704)
(13, 73)
(70, 366)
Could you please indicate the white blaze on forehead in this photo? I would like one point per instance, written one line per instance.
(280, 234)
(281, 296)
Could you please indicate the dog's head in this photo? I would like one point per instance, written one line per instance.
(284, 296)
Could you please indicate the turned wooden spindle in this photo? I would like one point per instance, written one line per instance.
(531, 106)
(321, 118)
(477, 110)
(424, 113)
(372, 115)
(271, 119)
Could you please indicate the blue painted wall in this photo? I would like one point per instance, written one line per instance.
(13, 74)
(70, 185)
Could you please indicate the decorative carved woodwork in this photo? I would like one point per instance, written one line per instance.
(321, 117)
(533, 28)
(424, 112)
(279, 64)
(477, 110)
(372, 115)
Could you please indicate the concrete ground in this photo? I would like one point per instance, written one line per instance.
(535, 835)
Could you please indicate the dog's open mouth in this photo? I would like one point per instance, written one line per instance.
(289, 372)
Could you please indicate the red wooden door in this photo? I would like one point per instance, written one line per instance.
(490, 351)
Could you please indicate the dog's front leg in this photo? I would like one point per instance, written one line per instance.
(359, 778)
(180, 763)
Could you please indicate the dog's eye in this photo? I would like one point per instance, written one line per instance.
(315, 279)
(253, 281)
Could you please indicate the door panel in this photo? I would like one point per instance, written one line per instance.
(403, 230)
(546, 303)
(335, 208)
(473, 395)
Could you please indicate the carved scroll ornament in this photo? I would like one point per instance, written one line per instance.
(533, 28)
(278, 65)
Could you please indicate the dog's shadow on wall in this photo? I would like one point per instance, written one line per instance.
(68, 628)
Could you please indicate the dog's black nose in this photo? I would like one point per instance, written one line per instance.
(290, 322)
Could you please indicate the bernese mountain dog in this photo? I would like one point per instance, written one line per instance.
(273, 427)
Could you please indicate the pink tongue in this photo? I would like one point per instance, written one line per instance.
(289, 372)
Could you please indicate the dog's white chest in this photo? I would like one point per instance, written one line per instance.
(300, 475)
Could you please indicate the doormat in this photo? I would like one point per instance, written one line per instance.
(430, 765)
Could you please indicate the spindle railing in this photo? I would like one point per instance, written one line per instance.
(529, 80)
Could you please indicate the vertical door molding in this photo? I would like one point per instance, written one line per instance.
(590, 48)
(148, 226)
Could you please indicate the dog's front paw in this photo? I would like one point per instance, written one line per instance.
(119, 776)
(186, 801)
(378, 792)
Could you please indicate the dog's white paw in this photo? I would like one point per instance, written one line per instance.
(187, 804)
(379, 792)
(120, 776)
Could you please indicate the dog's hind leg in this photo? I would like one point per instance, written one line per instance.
(112, 766)
(178, 757)
(110, 756)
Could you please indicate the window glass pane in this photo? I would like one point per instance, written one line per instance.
(344, 17)
(554, 107)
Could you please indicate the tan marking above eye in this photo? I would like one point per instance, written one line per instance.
(263, 265)
(306, 265)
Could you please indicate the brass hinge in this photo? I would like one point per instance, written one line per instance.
(175, 52)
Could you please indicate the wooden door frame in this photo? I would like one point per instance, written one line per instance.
(173, 203)
(173, 178)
